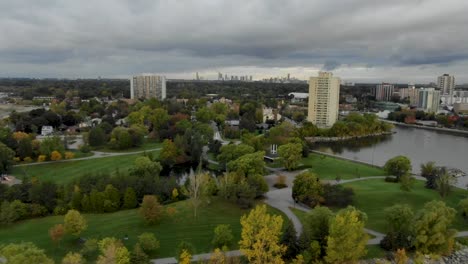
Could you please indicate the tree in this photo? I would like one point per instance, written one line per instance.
(248, 164)
(289, 240)
(74, 223)
(399, 220)
(114, 253)
(347, 239)
(444, 184)
(196, 189)
(73, 258)
(260, 236)
(307, 189)
(463, 205)
(96, 137)
(185, 257)
(138, 256)
(145, 166)
(432, 233)
(232, 152)
(316, 227)
(169, 153)
(222, 236)
(429, 171)
(400, 256)
(406, 183)
(290, 154)
(184, 246)
(56, 233)
(112, 198)
(6, 158)
(204, 115)
(398, 166)
(130, 199)
(148, 242)
(151, 210)
(25, 252)
(50, 144)
(8, 214)
(25, 148)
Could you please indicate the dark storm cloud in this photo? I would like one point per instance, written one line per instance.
(118, 37)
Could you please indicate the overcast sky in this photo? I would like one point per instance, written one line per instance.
(359, 40)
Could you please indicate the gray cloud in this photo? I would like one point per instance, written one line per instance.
(121, 37)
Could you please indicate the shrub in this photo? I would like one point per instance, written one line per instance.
(41, 158)
(69, 155)
(280, 182)
(85, 148)
(55, 155)
(463, 204)
(16, 159)
(148, 242)
(391, 179)
(337, 195)
(28, 159)
(222, 236)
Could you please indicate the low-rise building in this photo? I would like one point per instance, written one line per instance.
(47, 130)
(460, 108)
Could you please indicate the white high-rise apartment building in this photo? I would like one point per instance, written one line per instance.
(324, 94)
(429, 100)
(446, 84)
(148, 86)
(384, 92)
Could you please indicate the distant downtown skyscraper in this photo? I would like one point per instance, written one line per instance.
(384, 92)
(446, 84)
(148, 86)
(324, 94)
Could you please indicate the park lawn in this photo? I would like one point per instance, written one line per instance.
(330, 168)
(170, 232)
(374, 195)
(149, 144)
(65, 172)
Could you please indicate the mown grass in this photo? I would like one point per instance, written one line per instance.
(146, 146)
(170, 232)
(65, 172)
(374, 195)
(330, 168)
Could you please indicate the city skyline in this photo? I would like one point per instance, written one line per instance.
(118, 39)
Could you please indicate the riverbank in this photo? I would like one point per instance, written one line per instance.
(442, 129)
(344, 158)
(336, 139)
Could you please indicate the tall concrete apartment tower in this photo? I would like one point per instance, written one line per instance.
(324, 94)
(148, 86)
(446, 84)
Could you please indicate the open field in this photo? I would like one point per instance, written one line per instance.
(374, 195)
(65, 172)
(146, 146)
(170, 232)
(329, 168)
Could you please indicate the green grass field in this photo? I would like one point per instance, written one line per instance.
(170, 232)
(329, 168)
(374, 195)
(65, 172)
(146, 146)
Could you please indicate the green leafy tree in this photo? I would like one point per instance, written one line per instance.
(148, 242)
(8, 214)
(112, 198)
(169, 153)
(138, 256)
(222, 236)
(316, 227)
(289, 240)
(74, 223)
(205, 115)
(113, 251)
(151, 210)
(429, 171)
(407, 183)
(51, 144)
(444, 184)
(25, 148)
(463, 205)
(145, 166)
(432, 228)
(130, 199)
(347, 240)
(96, 137)
(260, 237)
(73, 258)
(400, 230)
(248, 164)
(398, 166)
(6, 158)
(307, 189)
(25, 252)
(232, 152)
(290, 154)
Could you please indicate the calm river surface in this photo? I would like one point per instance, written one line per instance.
(419, 145)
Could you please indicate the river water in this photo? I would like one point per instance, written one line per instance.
(419, 145)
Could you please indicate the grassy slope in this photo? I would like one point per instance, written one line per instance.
(372, 196)
(64, 172)
(170, 232)
(329, 167)
(145, 146)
